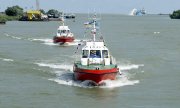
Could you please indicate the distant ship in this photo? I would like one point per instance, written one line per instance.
(136, 12)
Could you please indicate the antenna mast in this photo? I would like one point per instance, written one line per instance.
(37, 4)
(94, 28)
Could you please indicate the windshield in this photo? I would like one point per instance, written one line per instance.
(95, 54)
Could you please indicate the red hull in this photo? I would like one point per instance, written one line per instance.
(63, 39)
(95, 75)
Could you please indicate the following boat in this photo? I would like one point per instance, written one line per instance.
(63, 35)
(96, 63)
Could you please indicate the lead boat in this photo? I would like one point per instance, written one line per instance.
(96, 63)
(64, 35)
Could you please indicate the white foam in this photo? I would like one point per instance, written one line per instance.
(119, 82)
(130, 66)
(45, 41)
(77, 40)
(6, 34)
(75, 43)
(50, 42)
(56, 66)
(67, 79)
(156, 32)
(48, 65)
(70, 83)
(5, 59)
(14, 37)
(64, 76)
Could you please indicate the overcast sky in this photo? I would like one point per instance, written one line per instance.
(101, 6)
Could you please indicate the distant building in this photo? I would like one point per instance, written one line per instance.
(34, 15)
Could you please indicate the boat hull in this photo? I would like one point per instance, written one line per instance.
(96, 75)
(63, 39)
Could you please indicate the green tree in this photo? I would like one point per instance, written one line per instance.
(14, 11)
(175, 14)
(54, 13)
(42, 11)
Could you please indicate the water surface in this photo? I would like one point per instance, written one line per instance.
(35, 73)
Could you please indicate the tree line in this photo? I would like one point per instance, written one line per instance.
(175, 14)
(15, 12)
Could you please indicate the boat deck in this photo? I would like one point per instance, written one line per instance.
(95, 66)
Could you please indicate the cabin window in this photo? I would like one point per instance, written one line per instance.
(63, 31)
(85, 53)
(105, 53)
(95, 54)
(59, 31)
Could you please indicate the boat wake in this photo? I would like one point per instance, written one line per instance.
(126, 67)
(62, 67)
(51, 43)
(64, 76)
(7, 60)
(45, 41)
(12, 36)
(67, 79)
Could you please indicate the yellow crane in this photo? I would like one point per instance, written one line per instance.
(34, 14)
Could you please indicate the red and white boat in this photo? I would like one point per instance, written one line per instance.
(96, 63)
(64, 35)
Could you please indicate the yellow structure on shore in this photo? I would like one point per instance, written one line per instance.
(34, 14)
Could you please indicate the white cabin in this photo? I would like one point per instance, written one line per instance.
(95, 53)
(64, 31)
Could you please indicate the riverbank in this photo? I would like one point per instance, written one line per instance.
(4, 17)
